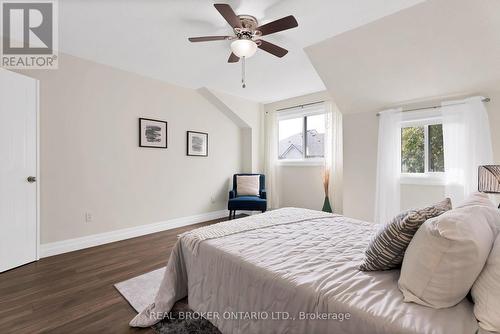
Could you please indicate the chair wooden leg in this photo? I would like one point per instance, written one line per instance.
(234, 214)
(230, 214)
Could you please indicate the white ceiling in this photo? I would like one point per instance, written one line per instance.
(149, 37)
(437, 48)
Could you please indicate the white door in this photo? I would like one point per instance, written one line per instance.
(18, 162)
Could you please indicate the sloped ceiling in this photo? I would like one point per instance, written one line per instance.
(437, 48)
(149, 37)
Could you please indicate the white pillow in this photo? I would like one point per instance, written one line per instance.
(477, 198)
(446, 256)
(486, 292)
(482, 199)
(247, 185)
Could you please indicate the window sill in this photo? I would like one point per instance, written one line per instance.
(428, 179)
(301, 163)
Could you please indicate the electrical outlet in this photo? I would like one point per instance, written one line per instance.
(88, 217)
(212, 199)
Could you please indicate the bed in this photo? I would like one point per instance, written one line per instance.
(293, 271)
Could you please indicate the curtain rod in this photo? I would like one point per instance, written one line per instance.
(487, 99)
(301, 105)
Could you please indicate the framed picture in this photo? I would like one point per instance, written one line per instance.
(197, 144)
(152, 133)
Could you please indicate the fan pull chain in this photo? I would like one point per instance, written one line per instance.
(243, 84)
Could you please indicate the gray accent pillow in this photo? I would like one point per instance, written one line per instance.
(387, 249)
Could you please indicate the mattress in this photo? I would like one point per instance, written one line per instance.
(299, 278)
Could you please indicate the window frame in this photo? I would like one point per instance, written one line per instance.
(301, 112)
(425, 178)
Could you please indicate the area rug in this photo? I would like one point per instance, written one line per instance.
(140, 291)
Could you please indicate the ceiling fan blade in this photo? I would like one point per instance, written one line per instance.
(227, 12)
(272, 48)
(233, 58)
(208, 38)
(284, 23)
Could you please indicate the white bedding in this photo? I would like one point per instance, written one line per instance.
(298, 267)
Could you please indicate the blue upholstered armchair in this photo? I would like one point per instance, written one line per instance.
(247, 203)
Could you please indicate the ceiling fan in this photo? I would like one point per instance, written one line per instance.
(247, 35)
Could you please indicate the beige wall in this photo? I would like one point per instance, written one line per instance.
(494, 115)
(251, 113)
(91, 162)
(360, 163)
(419, 196)
(300, 186)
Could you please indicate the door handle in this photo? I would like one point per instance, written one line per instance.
(31, 179)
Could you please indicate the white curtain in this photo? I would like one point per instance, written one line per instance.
(387, 193)
(334, 154)
(271, 159)
(467, 145)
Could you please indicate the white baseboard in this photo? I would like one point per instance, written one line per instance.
(70, 245)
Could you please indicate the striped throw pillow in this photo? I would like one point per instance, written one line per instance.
(387, 249)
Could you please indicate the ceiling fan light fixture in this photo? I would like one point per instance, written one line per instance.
(244, 48)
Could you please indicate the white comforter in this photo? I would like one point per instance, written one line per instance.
(302, 269)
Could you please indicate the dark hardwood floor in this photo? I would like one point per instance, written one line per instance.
(74, 292)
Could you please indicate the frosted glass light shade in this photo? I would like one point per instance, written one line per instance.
(243, 48)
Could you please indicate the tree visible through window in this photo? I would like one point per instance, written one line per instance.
(422, 149)
(436, 148)
(413, 150)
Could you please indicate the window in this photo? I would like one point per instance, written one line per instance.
(436, 148)
(291, 141)
(422, 149)
(412, 150)
(301, 135)
(315, 129)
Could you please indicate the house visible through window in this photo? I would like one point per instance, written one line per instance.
(422, 149)
(301, 135)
